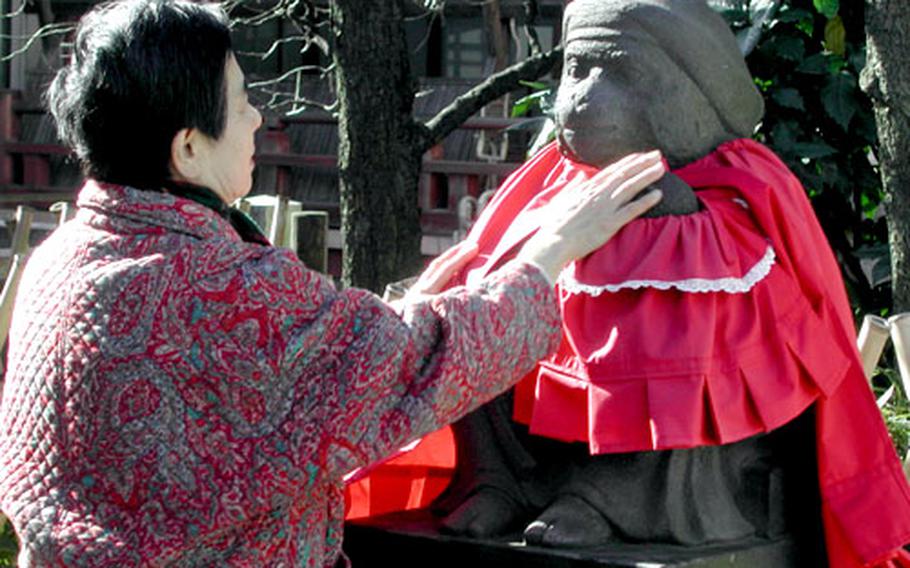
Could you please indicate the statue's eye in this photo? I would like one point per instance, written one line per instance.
(577, 67)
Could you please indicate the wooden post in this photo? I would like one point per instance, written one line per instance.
(64, 209)
(900, 338)
(873, 335)
(21, 227)
(309, 238)
(279, 220)
(9, 131)
(8, 297)
(244, 205)
(24, 217)
(19, 252)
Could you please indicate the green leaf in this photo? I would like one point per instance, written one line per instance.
(789, 48)
(816, 64)
(536, 85)
(836, 36)
(833, 174)
(793, 15)
(858, 59)
(803, 19)
(839, 99)
(806, 26)
(763, 84)
(828, 8)
(813, 150)
(864, 127)
(521, 107)
(869, 206)
(789, 98)
(783, 136)
(526, 104)
(8, 545)
(836, 63)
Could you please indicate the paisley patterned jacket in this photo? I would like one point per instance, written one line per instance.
(176, 396)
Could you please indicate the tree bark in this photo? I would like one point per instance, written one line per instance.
(381, 144)
(886, 79)
(378, 167)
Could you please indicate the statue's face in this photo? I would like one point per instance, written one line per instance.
(650, 74)
(604, 94)
(600, 107)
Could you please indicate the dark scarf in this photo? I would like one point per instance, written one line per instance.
(245, 226)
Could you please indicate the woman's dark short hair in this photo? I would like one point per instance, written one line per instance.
(141, 70)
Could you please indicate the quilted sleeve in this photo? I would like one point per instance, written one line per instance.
(370, 380)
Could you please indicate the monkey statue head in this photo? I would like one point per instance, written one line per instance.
(651, 74)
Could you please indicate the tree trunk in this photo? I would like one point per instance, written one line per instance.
(378, 150)
(886, 79)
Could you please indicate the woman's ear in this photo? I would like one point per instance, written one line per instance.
(186, 155)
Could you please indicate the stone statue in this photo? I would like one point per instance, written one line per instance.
(640, 75)
(707, 388)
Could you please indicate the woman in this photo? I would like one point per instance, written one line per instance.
(181, 393)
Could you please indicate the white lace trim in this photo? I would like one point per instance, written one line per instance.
(756, 274)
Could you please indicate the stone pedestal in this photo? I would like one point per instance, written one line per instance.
(411, 540)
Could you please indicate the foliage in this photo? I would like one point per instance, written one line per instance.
(8, 544)
(807, 65)
(895, 406)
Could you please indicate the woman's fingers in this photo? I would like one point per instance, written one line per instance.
(630, 188)
(626, 178)
(455, 259)
(444, 266)
(636, 208)
(595, 212)
(615, 173)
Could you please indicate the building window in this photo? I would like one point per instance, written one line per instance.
(464, 49)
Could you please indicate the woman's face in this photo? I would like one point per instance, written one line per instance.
(228, 166)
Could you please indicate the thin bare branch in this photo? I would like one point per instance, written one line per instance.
(14, 13)
(281, 99)
(49, 30)
(449, 118)
(436, 6)
(323, 71)
(303, 105)
(263, 55)
(426, 37)
(257, 18)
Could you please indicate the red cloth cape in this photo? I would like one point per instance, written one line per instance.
(709, 328)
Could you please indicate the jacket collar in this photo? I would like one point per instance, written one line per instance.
(138, 211)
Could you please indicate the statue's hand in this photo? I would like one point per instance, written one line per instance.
(678, 197)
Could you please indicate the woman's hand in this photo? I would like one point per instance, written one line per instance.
(443, 267)
(434, 278)
(588, 215)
